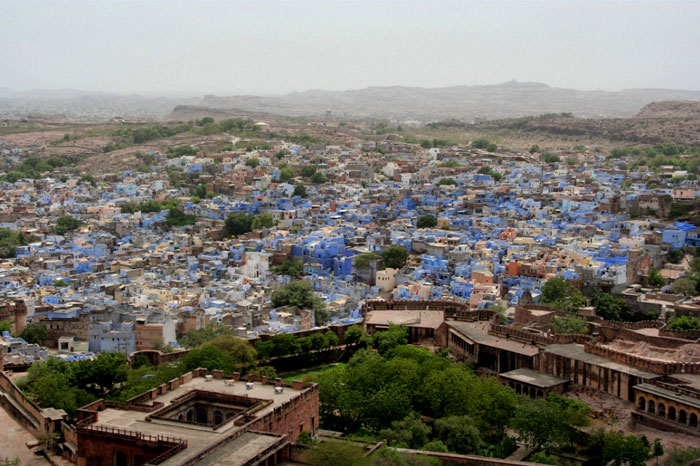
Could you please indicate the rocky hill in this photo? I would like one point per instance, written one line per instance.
(674, 109)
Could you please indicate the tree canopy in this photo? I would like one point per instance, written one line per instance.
(394, 257)
(562, 294)
(426, 221)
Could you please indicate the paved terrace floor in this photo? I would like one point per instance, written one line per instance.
(198, 438)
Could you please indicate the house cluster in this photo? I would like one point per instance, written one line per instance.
(125, 280)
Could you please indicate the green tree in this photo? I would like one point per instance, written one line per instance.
(66, 223)
(331, 339)
(542, 458)
(390, 339)
(238, 223)
(308, 171)
(177, 218)
(480, 143)
(194, 338)
(286, 173)
(550, 158)
(655, 279)
(459, 434)
(336, 453)
(678, 456)
(609, 307)
(252, 162)
(571, 325)
(492, 147)
(293, 268)
(554, 422)
(102, 375)
(535, 148)
(300, 294)
(5, 326)
(318, 178)
(685, 286)
(394, 257)
(35, 333)
(299, 190)
(562, 294)
(447, 181)
(409, 432)
(686, 322)
(356, 335)
(363, 260)
(426, 221)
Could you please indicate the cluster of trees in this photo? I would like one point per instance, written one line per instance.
(391, 392)
(300, 294)
(483, 143)
(294, 268)
(286, 173)
(428, 143)
(550, 158)
(70, 385)
(285, 344)
(177, 218)
(32, 333)
(250, 146)
(570, 325)
(150, 206)
(449, 164)
(686, 322)
(562, 294)
(66, 223)
(87, 178)
(179, 151)
(661, 154)
(9, 240)
(447, 181)
(337, 453)
(34, 167)
(393, 257)
(130, 136)
(240, 223)
(426, 221)
(299, 190)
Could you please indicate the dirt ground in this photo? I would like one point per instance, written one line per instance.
(13, 439)
(603, 405)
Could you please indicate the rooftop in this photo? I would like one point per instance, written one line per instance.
(576, 351)
(199, 437)
(532, 377)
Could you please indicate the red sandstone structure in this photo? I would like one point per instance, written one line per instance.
(198, 418)
(655, 369)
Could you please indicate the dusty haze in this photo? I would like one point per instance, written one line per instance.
(275, 47)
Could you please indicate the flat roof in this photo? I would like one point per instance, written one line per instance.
(533, 377)
(241, 450)
(576, 351)
(423, 319)
(665, 393)
(478, 332)
(199, 438)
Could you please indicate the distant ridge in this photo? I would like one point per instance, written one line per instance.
(465, 103)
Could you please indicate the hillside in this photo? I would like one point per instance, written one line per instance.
(674, 109)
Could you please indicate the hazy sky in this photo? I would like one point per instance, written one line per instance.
(269, 47)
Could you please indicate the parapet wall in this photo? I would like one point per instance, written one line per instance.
(22, 407)
(656, 367)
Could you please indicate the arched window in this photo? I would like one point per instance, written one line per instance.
(138, 460)
(693, 420)
(651, 407)
(218, 418)
(682, 416)
(190, 415)
(202, 416)
(661, 410)
(540, 394)
(671, 413)
(642, 403)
